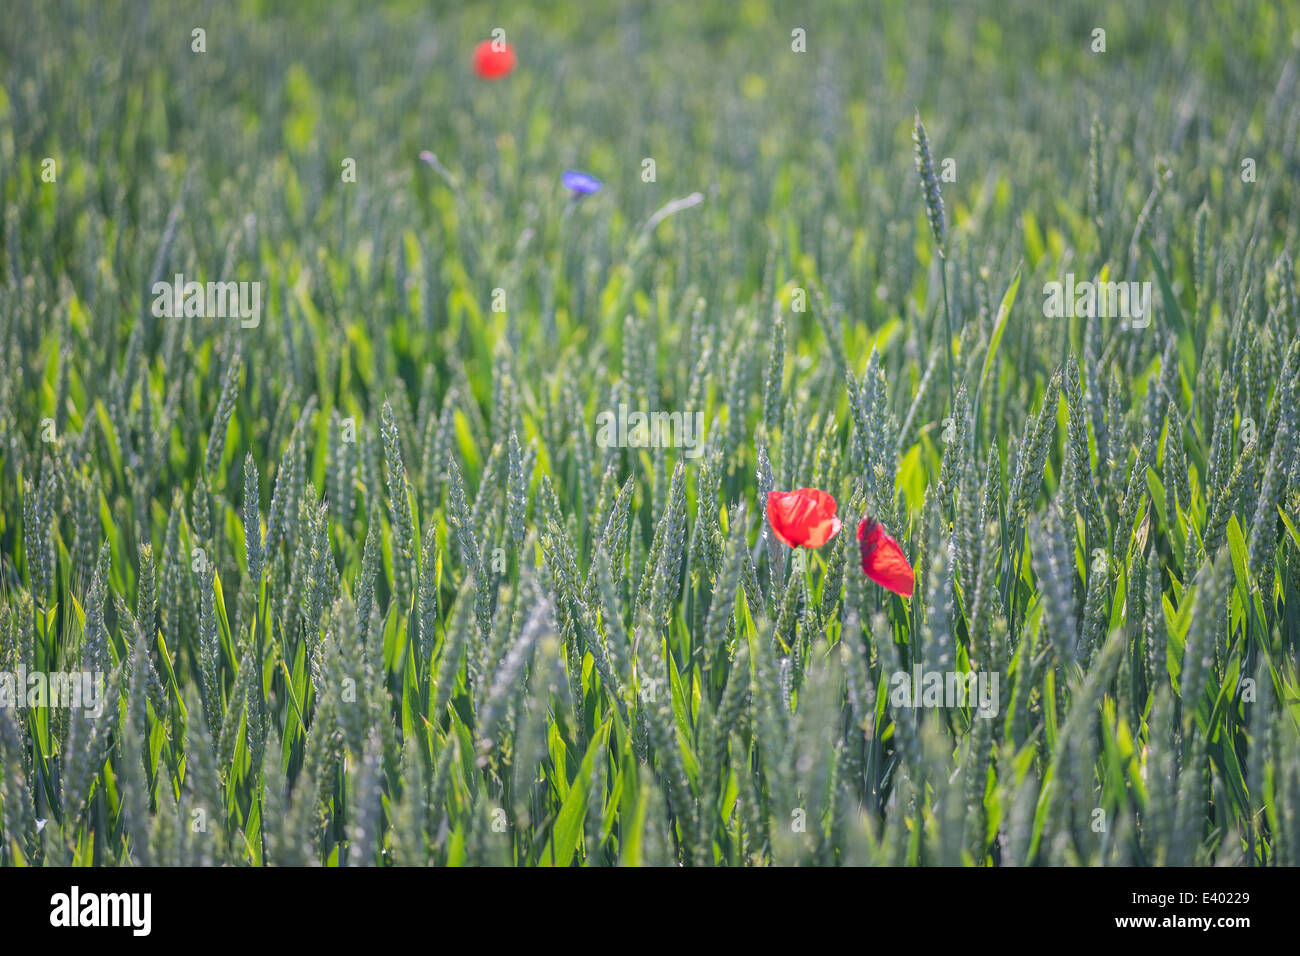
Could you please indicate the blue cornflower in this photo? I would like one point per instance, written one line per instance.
(582, 183)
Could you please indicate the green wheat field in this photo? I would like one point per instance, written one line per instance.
(359, 579)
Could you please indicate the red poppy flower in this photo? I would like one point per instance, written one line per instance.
(883, 560)
(803, 517)
(493, 59)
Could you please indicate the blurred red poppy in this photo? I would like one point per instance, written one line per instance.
(494, 59)
(803, 517)
(883, 560)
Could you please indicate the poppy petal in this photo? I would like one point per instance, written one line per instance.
(821, 532)
(804, 517)
(883, 560)
(493, 59)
